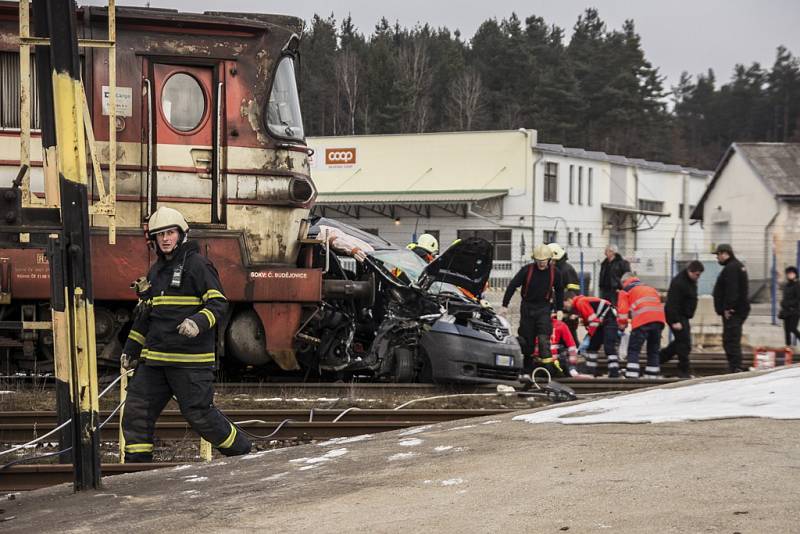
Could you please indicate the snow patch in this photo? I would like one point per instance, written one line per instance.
(276, 476)
(442, 448)
(334, 453)
(401, 456)
(258, 454)
(460, 428)
(307, 467)
(452, 482)
(341, 441)
(7, 392)
(182, 467)
(197, 479)
(410, 442)
(415, 430)
(771, 395)
(492, 422)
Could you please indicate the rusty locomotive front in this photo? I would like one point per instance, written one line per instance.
(208, 122)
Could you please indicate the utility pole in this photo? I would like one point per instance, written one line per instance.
(73, 293)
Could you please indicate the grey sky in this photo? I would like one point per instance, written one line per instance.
(677, 35)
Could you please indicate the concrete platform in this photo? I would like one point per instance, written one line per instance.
(483, 475)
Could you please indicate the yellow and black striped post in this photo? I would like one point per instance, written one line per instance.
(73, 246)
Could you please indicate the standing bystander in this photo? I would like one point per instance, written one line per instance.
(790, 306)
(731, 302)
(681, 305)
(611, 271)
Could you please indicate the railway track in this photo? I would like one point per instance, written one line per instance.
(32, 477)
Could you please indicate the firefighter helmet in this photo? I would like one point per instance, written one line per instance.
(165, 218)
(558, 251)
(429, 243)
(541, 252)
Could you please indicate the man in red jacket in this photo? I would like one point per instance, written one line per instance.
(642, 305)
(563, 351)
(599, 318)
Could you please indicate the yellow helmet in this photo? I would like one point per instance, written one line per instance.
(541, 252)
(558, 251)
(429, 243)
(165, 218)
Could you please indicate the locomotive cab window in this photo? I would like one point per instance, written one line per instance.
(183, 102)
(283, 109)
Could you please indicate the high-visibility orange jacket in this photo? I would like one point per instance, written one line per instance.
(592, 311)
(639, 303)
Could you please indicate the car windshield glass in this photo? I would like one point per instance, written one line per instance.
(444, 288)
(403, 259)
(283, 110)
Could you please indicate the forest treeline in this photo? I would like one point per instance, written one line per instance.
(596, 91)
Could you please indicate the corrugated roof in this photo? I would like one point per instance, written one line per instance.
(618, 160)
(408, 197)
(778, 164)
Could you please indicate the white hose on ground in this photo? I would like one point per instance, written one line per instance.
(37, 440)
(350, 409)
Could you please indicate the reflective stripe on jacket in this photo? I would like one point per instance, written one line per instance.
(639, 303)
(592, 311)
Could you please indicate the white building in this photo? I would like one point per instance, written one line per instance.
(753, 203)
(512, 190)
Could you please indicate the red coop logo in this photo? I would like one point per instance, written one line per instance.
(340, 156)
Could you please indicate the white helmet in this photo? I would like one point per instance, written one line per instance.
(558, 251)
(429, 243)
(165, 218)
(541, 252)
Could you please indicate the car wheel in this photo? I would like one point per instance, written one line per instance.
(424, 370)
(403, 365)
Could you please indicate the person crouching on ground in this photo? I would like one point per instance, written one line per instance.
(600, 319)
(563, 357)
(646, 311)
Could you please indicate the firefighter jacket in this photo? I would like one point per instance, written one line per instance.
(731, 289)
(185, 286)
(539, 287)
(640, 303)
(569, 277)
(561, 337)
(592, 311)
(681, 299)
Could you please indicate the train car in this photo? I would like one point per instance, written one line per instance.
(208, 122)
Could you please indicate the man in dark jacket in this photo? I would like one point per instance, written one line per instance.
(173, 334)
(570, 280)
(611, 271)
(731, 302)
(542, 293)
(790, 306)
(680, 308)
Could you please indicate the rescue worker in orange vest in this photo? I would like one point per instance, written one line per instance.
(426, 247)
(641, 304)
(600, 319)
(542, 295)
(563, 358)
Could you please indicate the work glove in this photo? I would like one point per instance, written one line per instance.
(188, 328)
(358, 254)
(128, 362)
(559, 315)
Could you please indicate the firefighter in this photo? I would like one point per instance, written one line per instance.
(571, 282)
(426, 247)
(542, 295)
(641, 304)
(600, 319)
(732, 303)
(173, 336)
(563, 358)
(679, 309)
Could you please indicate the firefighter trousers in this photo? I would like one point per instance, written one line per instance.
(148, 393)
(604, 336)
(534, 323)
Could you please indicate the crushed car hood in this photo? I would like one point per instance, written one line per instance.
(466, 263)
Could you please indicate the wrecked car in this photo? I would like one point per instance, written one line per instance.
(416, 322)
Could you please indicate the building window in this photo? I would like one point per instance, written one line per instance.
(651, 205)
(550, 236)
(570, 240)
(590, 187)
(572, 184)
(580, 185)
(10, 88)
(501, 239)
(580, 239)
(551, 182)
(589, 240)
